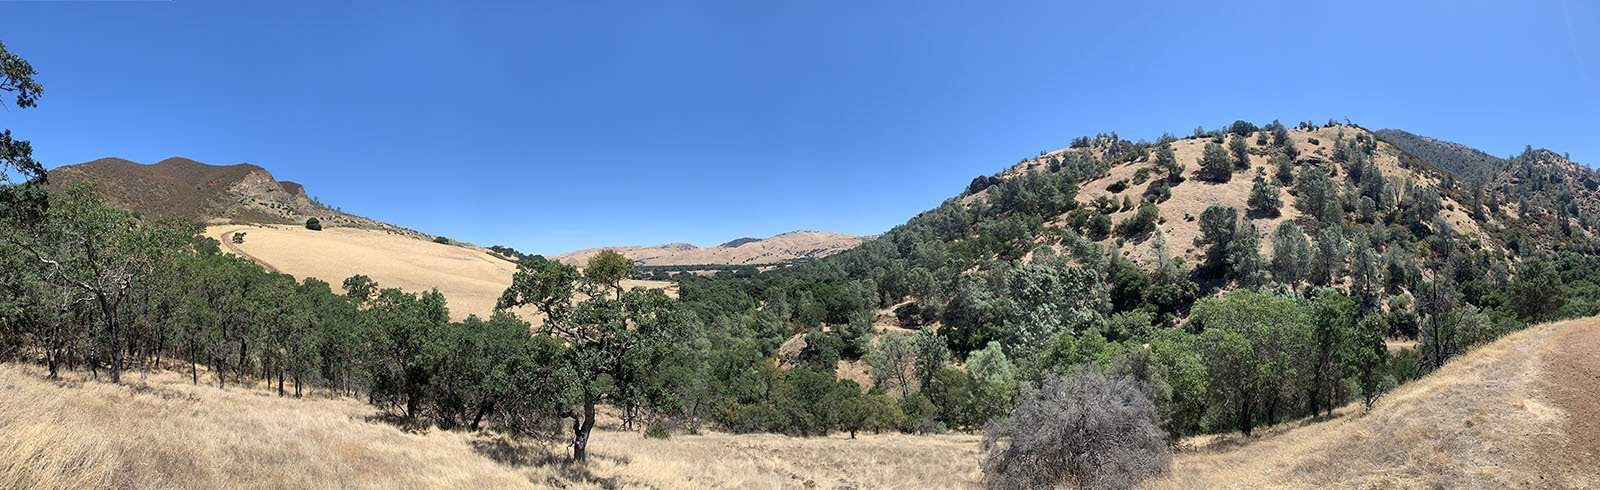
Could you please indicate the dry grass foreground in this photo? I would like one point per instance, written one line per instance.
(172, 435)
(470, 278)
(1489, 419)
(1517, 413)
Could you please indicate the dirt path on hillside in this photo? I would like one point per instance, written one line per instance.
(1572, 383)
(227, 242)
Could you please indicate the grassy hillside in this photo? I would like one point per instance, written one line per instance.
(471, 278)
(778, 249)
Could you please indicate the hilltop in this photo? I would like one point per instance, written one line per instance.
(778, 249)
(179, 187)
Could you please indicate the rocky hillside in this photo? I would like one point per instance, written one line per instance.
(744, 251)
(1488, 213)
(213, 194)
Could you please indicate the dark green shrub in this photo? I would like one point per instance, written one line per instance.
(313, 224)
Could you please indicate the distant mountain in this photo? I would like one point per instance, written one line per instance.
(743, 251)
(200, 192)
(1461, 161)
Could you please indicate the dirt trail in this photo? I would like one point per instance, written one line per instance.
(1521, 412)
(1573, 384)
(225, 238)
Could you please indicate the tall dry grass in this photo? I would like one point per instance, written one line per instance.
(168, 434)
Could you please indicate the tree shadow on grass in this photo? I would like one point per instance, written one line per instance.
(526, 454)
(408, 425)
(1230, 441)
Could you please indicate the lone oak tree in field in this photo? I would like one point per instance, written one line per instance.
(603, 339)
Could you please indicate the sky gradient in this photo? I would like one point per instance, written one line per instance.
(562, 125)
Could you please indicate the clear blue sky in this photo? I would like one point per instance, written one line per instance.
(552, 126)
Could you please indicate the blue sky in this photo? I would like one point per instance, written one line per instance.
(552, 126)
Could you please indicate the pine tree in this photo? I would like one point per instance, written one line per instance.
(1240, 151)
(1167, 161)
(1283, 168)
(1215, 164)
(1244, 256)
(1264, 200)
(1291, 254)
(1327, 261)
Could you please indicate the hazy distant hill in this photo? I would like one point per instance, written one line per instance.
(744, 251)
(1459, 160)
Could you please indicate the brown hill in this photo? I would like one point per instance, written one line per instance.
(214, 194)
(744, 251)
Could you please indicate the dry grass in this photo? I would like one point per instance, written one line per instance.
(1481, 421)
(470, 278)
(169, 434)
(1485, 420)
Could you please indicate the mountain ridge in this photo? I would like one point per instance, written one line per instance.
(777, 249)
(184, 188)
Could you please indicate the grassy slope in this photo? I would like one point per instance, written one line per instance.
(470, 278)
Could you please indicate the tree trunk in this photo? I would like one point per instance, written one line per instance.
(483, 408)
(194, 369)
(280, 381)
(581, 426)
(1246, 417)
(239, 379)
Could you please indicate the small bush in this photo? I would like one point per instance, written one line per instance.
(313, 224)
(657, 430)
(441, 240)
(238, 237)
(1087, 430)
(1117, 187)
(1141, 175)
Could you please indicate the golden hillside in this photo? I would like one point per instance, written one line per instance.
(470, 278)
(745, 251)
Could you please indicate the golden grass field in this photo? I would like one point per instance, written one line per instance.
(470, 278)
(1488, 419)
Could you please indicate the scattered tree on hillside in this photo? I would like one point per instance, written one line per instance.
(1215, 164)
(1283, 168)
(1167, 161)
(1264, 200)
(1217, 225)
(1244, 256)
(1240, 152)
